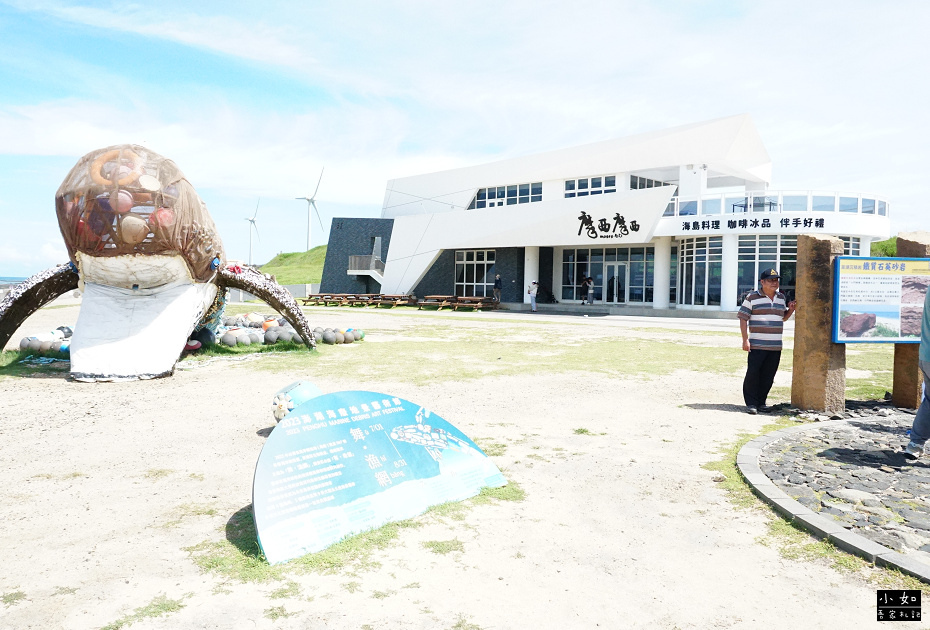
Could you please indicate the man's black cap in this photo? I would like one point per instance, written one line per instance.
(768, 274)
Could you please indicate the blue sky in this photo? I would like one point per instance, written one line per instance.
(251, 100)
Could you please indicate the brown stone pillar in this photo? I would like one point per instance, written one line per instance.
(905, 390)
(818, 381)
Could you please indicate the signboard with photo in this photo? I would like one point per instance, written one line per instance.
(879, 300)
(343, 463)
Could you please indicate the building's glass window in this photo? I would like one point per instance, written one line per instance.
(882, 208)
(710, 206)
(501, 195)
(849, 204)
(474, 272)
(759, 252)
(687, 208)
(590, 186)
(823, 204)
(868, 206)
(637, 182)
(636, 265)
(734, 205)
(700, 270)
(850, 245)
(794, 203)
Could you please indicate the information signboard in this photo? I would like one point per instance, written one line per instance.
(346, 462)
(879, 300)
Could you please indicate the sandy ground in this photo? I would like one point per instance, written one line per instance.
(620, 528)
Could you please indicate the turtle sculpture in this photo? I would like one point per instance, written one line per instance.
(146, 255)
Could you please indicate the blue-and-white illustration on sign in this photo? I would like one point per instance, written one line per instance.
(346, 462)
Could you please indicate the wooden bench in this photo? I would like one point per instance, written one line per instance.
(475, 303)
(438, 301)
(312, 300)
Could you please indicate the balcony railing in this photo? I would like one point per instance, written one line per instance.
(366, 263)
(778, 202)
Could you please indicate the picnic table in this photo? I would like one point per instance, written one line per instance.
(475, 302)
(436, 300)
(361, 299)
(394, 300)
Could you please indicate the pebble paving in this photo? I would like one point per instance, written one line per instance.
(855, 473)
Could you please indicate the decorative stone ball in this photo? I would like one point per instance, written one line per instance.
(133, 230)
(270, 323)
(35, 345)
(65, 347)
(24, 343)
(244, 340)
(329, 337)
(318, 329)
(288, 335)
(271, 336)
(121, 201)
(340, 338)
(318, 335)
(163, 217)
(55, 347)
(329, 330)
(255, 337)
(282, 321)
(45, 345)
(361, 334)
(229, 339)
(349, 337)
(205, 336)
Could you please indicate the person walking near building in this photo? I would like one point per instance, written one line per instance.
(920, 430)
(532, 290)
(498, 287)
(761, 321)
(590, 284)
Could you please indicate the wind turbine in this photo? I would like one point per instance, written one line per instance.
(311, 206)
(254, 225)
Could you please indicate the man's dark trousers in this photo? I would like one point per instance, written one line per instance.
(760, 374)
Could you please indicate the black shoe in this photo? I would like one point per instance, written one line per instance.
(766, 408)
(752, 410)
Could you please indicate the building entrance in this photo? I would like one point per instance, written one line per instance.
(617, 291)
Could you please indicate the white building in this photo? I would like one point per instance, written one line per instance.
(678, 218)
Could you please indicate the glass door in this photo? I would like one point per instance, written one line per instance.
(616, 283)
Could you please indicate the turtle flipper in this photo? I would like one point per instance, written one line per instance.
(272, 294)
(26, 298)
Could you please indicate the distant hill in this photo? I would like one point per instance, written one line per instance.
(297, 267)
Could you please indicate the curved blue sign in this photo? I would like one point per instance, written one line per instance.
(343, 463)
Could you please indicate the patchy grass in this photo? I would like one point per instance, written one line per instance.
(352, 587)
(490, 447)
(9, 599)
(383, 594)
(64, 590)
(581, 431)
(277, 612)
(157, 473)
(10, 365)
(158, 607)
(462, 623)
(443, 547)
(291, 589)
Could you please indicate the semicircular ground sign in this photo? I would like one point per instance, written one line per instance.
(346, 462)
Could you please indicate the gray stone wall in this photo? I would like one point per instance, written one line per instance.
(352, 237)
(508, 262)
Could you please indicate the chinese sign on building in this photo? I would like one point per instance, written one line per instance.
(343, 463)
(617, 228)
(751, 224)
(879, 299)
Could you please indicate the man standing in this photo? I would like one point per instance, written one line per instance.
(761, 320)
(532, 290)
(498, 287)
(920, 431)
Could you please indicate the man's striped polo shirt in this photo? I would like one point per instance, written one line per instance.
(766, 319)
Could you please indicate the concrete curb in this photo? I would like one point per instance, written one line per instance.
(747, 461)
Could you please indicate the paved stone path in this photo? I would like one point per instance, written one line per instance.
(853, 471)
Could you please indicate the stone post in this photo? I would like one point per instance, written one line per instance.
(818, 381)
(906, 390)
